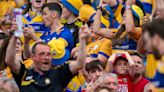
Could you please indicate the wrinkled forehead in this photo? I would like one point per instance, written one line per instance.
(42, 48)
(137, 59)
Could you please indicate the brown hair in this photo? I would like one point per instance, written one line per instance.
(3, 49)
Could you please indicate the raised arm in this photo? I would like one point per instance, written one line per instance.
(129, 21)
(79, 63)
(140, 45)
(105, 32)
(133, 31)
(27, 51)
(10, 58)
(131, 64)
(109, 65)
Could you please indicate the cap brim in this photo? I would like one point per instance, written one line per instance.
(61, 60)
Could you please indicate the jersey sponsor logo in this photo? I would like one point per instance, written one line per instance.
(29, 77)
(122, 88)
(122, 47)
(47, 81)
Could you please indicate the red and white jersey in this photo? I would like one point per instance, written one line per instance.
(125, 83)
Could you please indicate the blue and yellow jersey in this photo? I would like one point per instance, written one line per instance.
(75, 84)
(6, 5)
(103, 47)
(151, 66)
(65, 35)
(36, 23)
(159, 77)
(117, 13)
(155, 72)
(149, 6)
(108, 14)
(95, 3)
(129, 45)
(60, 44)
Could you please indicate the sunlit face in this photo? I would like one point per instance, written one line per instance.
(150, 46)
(18, 46)
(42, 58)
(48, 18)
(139, 69)
(37, 3)
(111, 83)
(65, 13)
(121, 66)
(94, 75)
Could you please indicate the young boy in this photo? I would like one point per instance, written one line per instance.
(123, 65)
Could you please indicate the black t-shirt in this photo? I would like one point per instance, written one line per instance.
(74, 29)
(54, 80)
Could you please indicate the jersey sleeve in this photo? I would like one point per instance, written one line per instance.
(65, 74)
(106, 48)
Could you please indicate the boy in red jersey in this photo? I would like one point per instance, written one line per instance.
(123, 65)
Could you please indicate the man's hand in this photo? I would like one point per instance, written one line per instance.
(145, 19)
(29, 33)
(84, 32)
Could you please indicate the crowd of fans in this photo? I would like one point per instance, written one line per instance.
(82, 46)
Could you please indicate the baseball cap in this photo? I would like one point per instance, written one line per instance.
(119, 56)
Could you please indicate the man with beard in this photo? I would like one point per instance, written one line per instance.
(153, 35)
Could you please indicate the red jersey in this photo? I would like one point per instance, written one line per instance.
(125, 83)
(139, 86)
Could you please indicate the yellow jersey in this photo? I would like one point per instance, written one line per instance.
(103, 47)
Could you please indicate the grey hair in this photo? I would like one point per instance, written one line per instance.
(109, 75)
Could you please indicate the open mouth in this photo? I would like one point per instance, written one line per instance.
(46, 63)
(38, 1)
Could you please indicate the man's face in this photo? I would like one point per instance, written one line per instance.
(37, 3)
(139, 66)
(111, 83)
(42, 58)
(65, 13)
(48, 18)
(94, 75)
(150, 44)
(121, 66)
